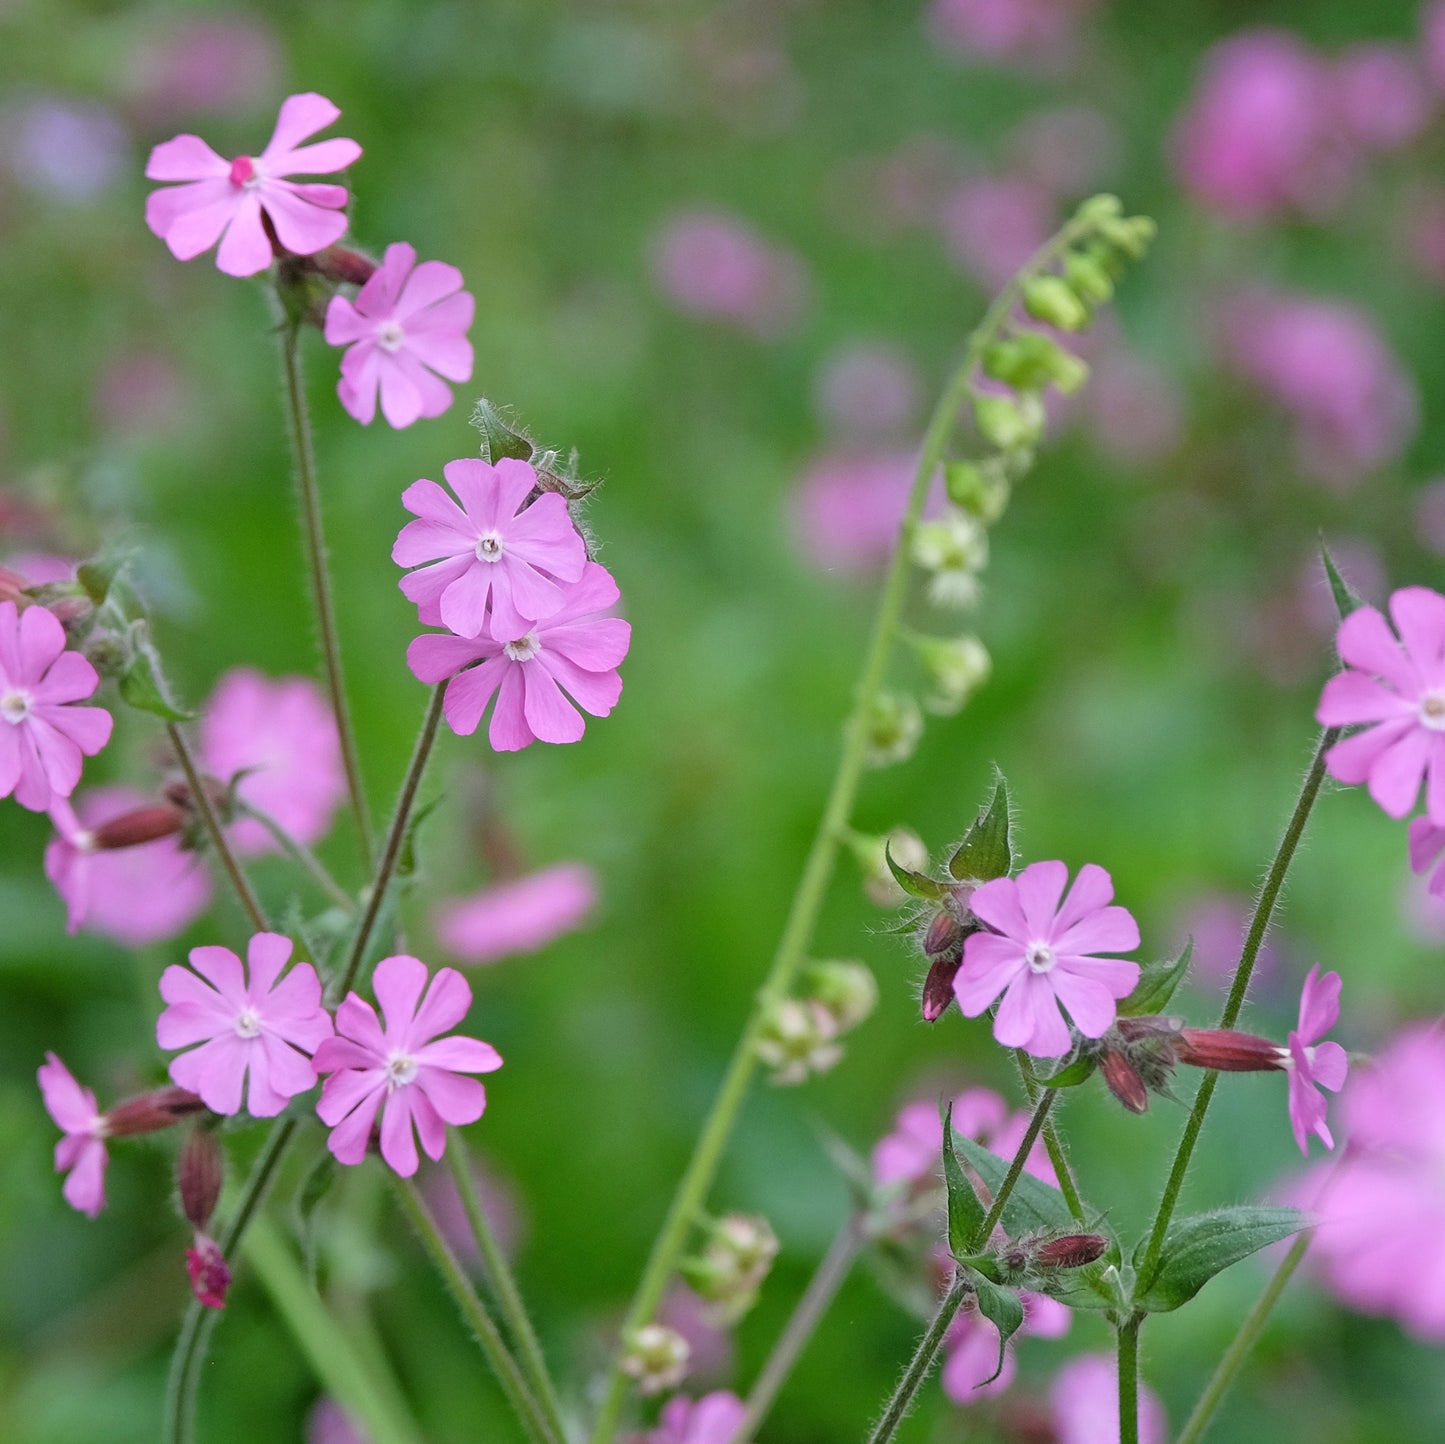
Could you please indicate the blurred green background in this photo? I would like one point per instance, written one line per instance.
(1158, 638)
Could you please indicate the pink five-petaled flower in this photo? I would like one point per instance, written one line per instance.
(262, 1027)
(1314, 1065)
(405, 1070)
(494, 547)
(81, 1153)
(574, 650)
(231, 197)
(1041, 955)
(1399, 687)
(407, 327)
(42, 736)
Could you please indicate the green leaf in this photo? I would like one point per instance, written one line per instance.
(1072, 1074)
(915, 884)
(1002, 1308)
(965, 1212)
(142, 684)
(314, 1187)
(1197, 1248)
(1095, 1287)
(986, 852)
(406, 863)
(98, 574)
(1347, 600)
(1156, 985)
(498, 439)
(1031, 1203)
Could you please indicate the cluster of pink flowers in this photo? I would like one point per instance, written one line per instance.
(505, 570)
(407, 328)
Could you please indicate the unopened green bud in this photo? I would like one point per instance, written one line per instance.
(1011, 424)
(894, 724)
(1089, 277)
(798, 1038)
(1052, 300)
(847, 990)
(1131, 235)
(957, 667)
(1029, 360)
(1099, 210)
(981, 488)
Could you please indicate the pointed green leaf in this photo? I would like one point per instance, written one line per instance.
(1031, 1204)
(1002, 1308)
(406, 864)
(98, 574)
(985, 852)
(1347, 600)
(1156, 985)
(142, 685)
(1197, 1248)
(915, 884)
(1072, 1074)
(498, 439)
(965, 1212)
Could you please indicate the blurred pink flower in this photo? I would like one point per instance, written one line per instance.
(327, 1423)
(263, 1027)
(1430, 517)
(1084, 1398)
(1135, 414)
(140, 391)
(971, 1347)
(522, 915)
(1353, 405)
(1068, 150)
(1380, 94)
(282, 735)
(496, 547)
(1217, 922)
(576, 651)
(407, 327)
(136, 895)
(715, 266)
(913, 1152)
(225, 200)
(713, 1419)
(81, 1153)
(65, 146)
(215, 64)
(867, 389)
(43, 734)
(993, 224)
(1044, 957)
(405, 1070)
(1314, 1065)
(1014, 31)
(709, 1339)
(1427, 845)
(499, 1203)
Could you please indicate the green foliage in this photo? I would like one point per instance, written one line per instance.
(1204, 1244)
(986, 851)
(1156, 985)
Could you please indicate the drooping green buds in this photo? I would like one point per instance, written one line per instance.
(1054, 301)
(736, 1256)
(956, 666)
(798, 1038)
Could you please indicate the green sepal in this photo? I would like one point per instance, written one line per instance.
(98, 575)
(498, 439)
(1052, 300)
(915, 884)
(142, 684)
(965, 1213)
(1002, 1308)
(1198, 1247)
(986, 852)
(1347, 600)
(1156, 985)
(1031, 1204)
(1071, 1074)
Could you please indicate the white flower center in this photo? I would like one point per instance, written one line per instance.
(15, 706)
(1039, 957)
(1432, 711)
(389, 335)
(524, 648)
(401, 1069)
(489, 547)
(248, 1023)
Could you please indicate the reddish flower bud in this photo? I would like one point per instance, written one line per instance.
(943, 936)
(341, 264)
(131, 829)
(210, 1277)
(1124, 1081)
(199, 1174)
(938, 985)
(1228, 1052)
(71, 609)
(1072, 1251)
(151, 1112)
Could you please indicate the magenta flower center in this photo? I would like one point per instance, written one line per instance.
(389, 335)
(401, 1069)
(243, 173)
(1039, 957)
(489, 547)
(524, 648)
(1432, 711)
(15, 706)
(248, 1023)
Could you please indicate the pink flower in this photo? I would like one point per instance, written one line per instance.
(1085, 1403)
(1381, 95)
(913, 1152)
(713, 1419)
(520, 916)
(575, 650)
(226, 200)
(262, 1027)
(281, 734)
(81, 1153)
(406, 1066)
(208, 1272)
(135, 895)
(1041, 956)
(407, 323)
(495, 547)
(42, 735)
(214, 64)
(867, 389)
(993, 224)
(1398, 687)
(1314, 1065)
(1019, 31)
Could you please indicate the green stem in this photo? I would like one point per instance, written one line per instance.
(315, 542)
(509, 1298)
(920, 1364)
(345, 1375)
(202, 800)
(1129, 1379)
(817, 1297)
(302, 856)
(1243, 1342)
(504, 1367)
(1020, 1158)
(1053, 1144)
(395, 837)
(832, 833)
(1258, 926)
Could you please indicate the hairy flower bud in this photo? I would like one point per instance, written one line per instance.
(1226, 1051)
(656, 1357)
(938, 991)
(208, 1271)
(132, 829)
(980, 488)
(151, 1112)
(956, 667)
(798, 1038)
(735, 1259)
(199, 1173)
(1124, 1081)
(338, 263)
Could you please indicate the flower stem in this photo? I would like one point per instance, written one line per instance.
(1244, 1341)
(817, 1297)
(509, 1298)
(305, 463)
(395, 837)
(301, 855)
(504, 1367)
(202, 801)
(1258, 926)
(920, 1365)
(1053, 1144)
(832, 834)
(1129, 1379)
(1020, 1158)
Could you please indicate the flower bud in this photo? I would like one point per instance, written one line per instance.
(1052, 300)
(151, 1112)
(1088, 276)
(847, 990)
(1009, 424)
(735, 1260)
(938, 985)
(209, 1274)
(957, 667)
(13, 588)
(894, 724)
(1226, 1051)
(1032, 1254)
(199, 1172)
(1030, 360)
(132, 829)
(1124, 1081)
(798, 1038)
(337, 263)
(656, 1357)
(981, 488)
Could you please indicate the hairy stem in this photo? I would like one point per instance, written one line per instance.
(1129, 1380)
(921, 1364)
(1053, 1144)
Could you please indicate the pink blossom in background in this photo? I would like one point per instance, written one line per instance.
(1397, 687)
(1353, 405)
(1314, 1065)
(213, 65)
(1084, 1399)
(913, 1152)
(496, 549)
(1043, 957)
(1135, 414)
(1432, 42)
(714, 266)
(327, 1423)
(1023, 32)
(406, 329)
(263, 1027)
(43, 734)
(868, 389)
(499, 1202)
(709, 1340)
(992, 224)
(575, 652)
(140, 391)
(1217, 923)
(136, 895)
(281, 733)
(40, 568)
(522, 915)
(66, 147)
(81, 1154)
(713, 1419)
(1429, 517)
(404, 1071)
(1068, 150)
(882, 196)
(224, 200)
(970, 1355)
(1380, 95)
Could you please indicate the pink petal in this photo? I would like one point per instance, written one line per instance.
(88, 728)
(595, 592)
(336, 1054)
(350, 1137)
(356, 1019)
(1366, 641)
(1395, 778)
(1427, 842)
(445, 1005)
(402, 400)
(990, 964)
(300, 116)
(398, 1143)
(1435, 779)
(1030, 1004)
(223, 969)
(358, 392)
(71, 1106)
(266, 955)
(428, 586)
(216, 1071)
(1319, 1008)
(1040, 886)
(1093, 889)
(550, 716)
(460, 1055)
(509, 731)
(70, 678)
(322, 158)
(464, 603)
(545, 535)
(430, 1125)
(58, 757)
(378, 298)
(278, 1073)
(294, 1011)
(33, 790)
(430, 282)
(84, 1189)
(594, 692)
(10, 759)
(1110, 930)
(457, 1100)
(434, 657)
(1350, 761)
(595, 646)
(468, 694)
(301, 226)
(1090, 1003)
(345, 324)
(475, 483)
(245, 249)
(1353, 697)
(442, 529)
(185, 158)
(42, 640)
(521, 597)
(1419, 616)
(1331, 1065)
(398, 982)
(347, 1090)
(516, 480)
(997, 904)
(1117, 976)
